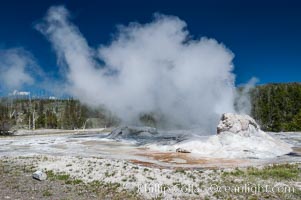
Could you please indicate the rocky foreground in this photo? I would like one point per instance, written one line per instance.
(98, 178)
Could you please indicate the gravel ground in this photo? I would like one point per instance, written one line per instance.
(99, 178)
(16, 182)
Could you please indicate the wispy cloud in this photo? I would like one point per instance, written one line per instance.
(17, 68)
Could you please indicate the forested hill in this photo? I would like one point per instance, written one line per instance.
(277, 107)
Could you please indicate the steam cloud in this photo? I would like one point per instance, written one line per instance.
(16, 68)
(243, 97)
(155, 67)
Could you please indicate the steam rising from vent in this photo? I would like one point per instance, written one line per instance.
(147, 68)
(243, 98)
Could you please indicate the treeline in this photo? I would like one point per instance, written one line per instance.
(4, 120)
(277, 107)
(65, 114)
(43, 113)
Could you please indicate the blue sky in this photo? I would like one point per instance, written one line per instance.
(263, 35)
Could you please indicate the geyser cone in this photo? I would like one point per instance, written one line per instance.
(239, 136)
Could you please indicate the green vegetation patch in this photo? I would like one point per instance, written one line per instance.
(278, 172)
(286, 171)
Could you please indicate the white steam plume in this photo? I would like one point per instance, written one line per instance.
(17, 67)
(154, 67)
(243, 97)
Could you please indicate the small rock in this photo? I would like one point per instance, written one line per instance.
(39, 175)
(180, 150)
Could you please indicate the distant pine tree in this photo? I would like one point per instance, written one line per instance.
(296, 122)
(275, 106)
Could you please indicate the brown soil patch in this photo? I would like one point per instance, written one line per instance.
(297, 150)
(146, 164)
(185, 159)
